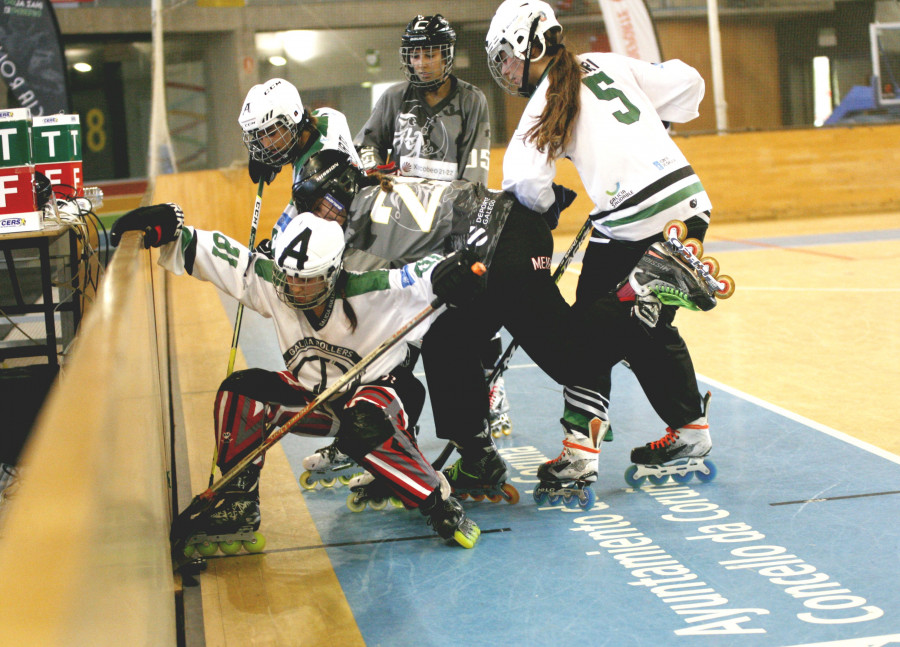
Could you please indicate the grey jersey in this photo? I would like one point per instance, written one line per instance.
(450, 141)
(418, 217)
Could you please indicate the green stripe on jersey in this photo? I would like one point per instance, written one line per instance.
(363, 282)
(662, 205)
(263, 268)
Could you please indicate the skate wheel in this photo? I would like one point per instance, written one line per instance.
(658, 480)
(694, 246)
(706, 478)
(507, 431)
(682, 478)
(353, 504)
(345, 480)
(305, 483)
(554, 499)
(510, 493)
(478, 497)
(496, 433)
(395, 502)
(189, 551)
(675, 228)
(727, 288)
(328, 482)
(540, 498)
(630, 478)
(588, 501)
(494, 498)
(256, 545)
(207, 548)
(378, 504)
(711, 265)
(572, 502)
(462, 496)
(230, 547)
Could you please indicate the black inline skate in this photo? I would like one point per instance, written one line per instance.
(447, 517)
(484, 477)
(232, 522)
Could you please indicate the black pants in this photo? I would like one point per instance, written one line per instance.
(522, 297)
(659, 356)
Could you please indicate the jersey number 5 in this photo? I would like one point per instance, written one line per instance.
(629, 116)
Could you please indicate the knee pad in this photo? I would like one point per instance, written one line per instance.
(363, 428)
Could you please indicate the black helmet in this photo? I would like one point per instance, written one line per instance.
(427, 31)
(328, 173)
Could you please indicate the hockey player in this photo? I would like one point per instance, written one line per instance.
(278, 130)
(326, 319)
(435, 126)
(607, 114)
(396, 220)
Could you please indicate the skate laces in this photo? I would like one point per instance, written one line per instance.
(670, 437)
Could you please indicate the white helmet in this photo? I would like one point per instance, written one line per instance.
(271, 119)
(517, 27)
(308, 258)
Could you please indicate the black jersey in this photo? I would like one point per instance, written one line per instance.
(418, 217)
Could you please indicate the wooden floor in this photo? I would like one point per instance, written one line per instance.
(812, 328)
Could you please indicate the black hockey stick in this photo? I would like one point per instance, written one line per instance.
(502, 363)
(181, 525)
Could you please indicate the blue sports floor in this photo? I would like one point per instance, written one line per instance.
(795, 542)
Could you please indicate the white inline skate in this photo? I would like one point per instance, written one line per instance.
(680, 454)
(366, 490)
(501, 424)
(566, 480)
(328, 466)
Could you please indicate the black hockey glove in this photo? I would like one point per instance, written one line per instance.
(161, 224)
(564, 197)
(265, 248)
(259, 171)
(456, 280)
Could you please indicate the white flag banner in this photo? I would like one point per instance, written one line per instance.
(630, 29)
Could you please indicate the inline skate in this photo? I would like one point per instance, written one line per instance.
(446, 515)
(681, 453)
(328, 466)
(482, 478)
(233, 522)
(567, 478)
(366, 490)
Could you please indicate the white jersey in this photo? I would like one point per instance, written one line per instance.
(316, 351)
(635, 174)
(333, 134)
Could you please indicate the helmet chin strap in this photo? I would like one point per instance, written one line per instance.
(527, 89)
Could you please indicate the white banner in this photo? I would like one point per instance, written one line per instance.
(630, 29)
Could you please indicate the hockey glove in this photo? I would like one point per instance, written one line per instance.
(260, 171)
(455, 280)
(265, 248)
(563, 198)
(161, 224)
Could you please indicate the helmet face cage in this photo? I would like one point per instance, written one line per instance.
(516, 29)
(273, 145)
(427, 36)
(308, 260)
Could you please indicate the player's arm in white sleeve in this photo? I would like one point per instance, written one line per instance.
(475, 151)
(214, 257)
(527, 173)
(674, 87)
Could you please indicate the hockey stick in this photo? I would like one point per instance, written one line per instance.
(257, 207)
(240, 311)
(203, 501)
(503, 362)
